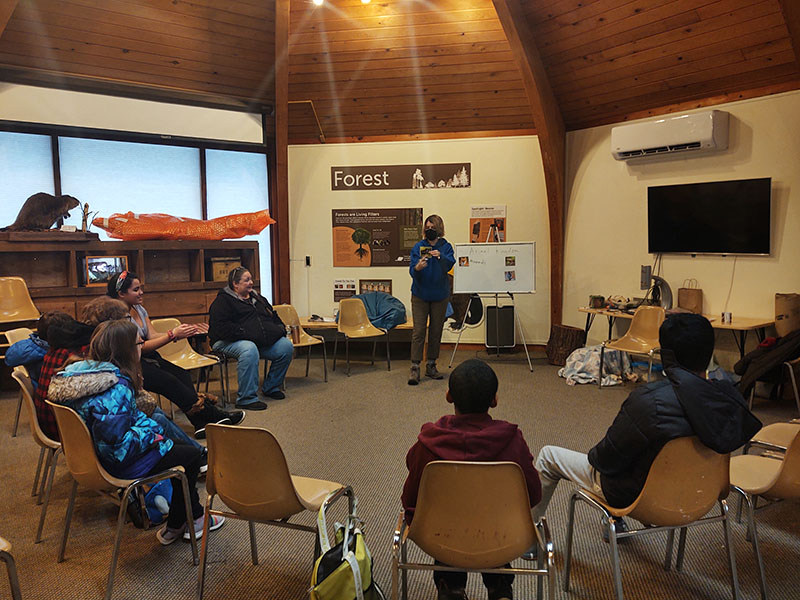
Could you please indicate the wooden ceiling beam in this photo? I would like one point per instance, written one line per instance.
(791, 13)
(7, 8)
(552, 137)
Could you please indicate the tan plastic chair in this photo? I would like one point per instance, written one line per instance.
(86, 469)
(685, 480)
(354, 323)
(288, 315)
(472, 516)
(48, 448)
(247, 470)
(775, 437)
(13, 336)
(16, 305)
(13, 580)
(641, 337)
(755, 477)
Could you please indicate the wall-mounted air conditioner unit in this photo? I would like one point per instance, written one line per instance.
(706, 130)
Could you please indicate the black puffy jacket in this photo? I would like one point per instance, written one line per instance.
(682, 405)
(232, 319)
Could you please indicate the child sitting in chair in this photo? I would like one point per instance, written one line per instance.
(469, 435)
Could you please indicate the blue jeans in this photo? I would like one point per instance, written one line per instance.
(172, 431)
(247, 355)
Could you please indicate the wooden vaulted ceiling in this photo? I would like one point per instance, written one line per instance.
(405, 68)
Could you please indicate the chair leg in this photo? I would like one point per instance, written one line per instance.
(650, 366)
(570, 529)
(751, 517)
(19, 409)
(404, 574)
(374, 346)
(792, 378)
(668, 554)
(325, 361)
(602, 355)
(614, 550)
(43, 480)
(223, 393)
(123, 505)
(201, 572)
(308, 358)
(681, 549)
(347, 353)
(48, 490)
(38, 472)
(388, 357)
(253, 546)
(13, 579)
(67, 519)
(335, 348)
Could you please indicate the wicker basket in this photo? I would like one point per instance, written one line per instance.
(563, 341)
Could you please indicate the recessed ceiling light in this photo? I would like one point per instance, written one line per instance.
(365, 1)
(319, 2)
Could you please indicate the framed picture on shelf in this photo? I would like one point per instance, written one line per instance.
(374, 285)
(98, 270)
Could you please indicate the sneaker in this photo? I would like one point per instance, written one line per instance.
(276, 395)
(257, 405)
(204, 463)
(216, 523)
(432, 372)
(236, 416)
(167, 535)
(621, 527)
(413, 376)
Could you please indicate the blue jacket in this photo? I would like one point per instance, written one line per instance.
(128, 443)
(28, 353)
(431, 283)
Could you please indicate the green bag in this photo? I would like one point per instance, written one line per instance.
(344, 571)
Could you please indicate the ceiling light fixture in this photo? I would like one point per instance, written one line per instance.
(365, 1)
(319, 2)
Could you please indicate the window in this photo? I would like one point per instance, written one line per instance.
(26, 168)
(237, 183)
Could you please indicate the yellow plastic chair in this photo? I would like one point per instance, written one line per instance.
(16, 305)
(775, 437)
(641, 337)
(13, 580)
(288, 315)
(472, 516)
(354, 323)
(685, 480)
(86, 469)
(247, 470)
(49, 449)
(770, 479)
(13, 336)
(181, 353)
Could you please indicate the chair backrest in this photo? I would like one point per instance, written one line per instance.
(177, 350)
(23, 379)
(79, 451)
(644, 327)
(787, 484)
(17, 335)
(353, 316)
(473, 515)
(288, 315)
(15, 301)
(685, 480)
(248, 471)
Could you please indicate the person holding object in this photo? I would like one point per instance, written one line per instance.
(243, 325)
(160, 375)
(431, 260)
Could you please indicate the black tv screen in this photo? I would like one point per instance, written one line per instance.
(721, 217)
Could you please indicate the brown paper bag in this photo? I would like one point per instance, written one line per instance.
(690, 296)
(787, 313)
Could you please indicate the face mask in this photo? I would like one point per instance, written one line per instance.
(430, 234)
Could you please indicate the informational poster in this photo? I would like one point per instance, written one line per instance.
(401, 177)
(375, 237)
(487, 224)
(343, 288)
(374, 285)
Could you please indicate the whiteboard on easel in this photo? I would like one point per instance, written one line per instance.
(495, 268)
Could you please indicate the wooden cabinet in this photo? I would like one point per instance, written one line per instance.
(174, 273)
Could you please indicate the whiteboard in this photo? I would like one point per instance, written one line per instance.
(495, 268)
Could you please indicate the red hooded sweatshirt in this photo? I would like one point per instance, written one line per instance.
(470, 437)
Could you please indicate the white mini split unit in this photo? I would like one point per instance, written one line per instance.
(701, 131)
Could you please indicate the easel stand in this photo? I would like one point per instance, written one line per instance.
(496, 328)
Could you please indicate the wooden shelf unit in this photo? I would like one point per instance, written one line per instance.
(173, 272)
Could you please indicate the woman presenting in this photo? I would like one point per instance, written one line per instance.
(431, 260)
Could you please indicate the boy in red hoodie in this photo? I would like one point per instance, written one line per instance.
(469, 435)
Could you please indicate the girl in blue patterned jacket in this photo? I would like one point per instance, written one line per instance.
(103, 390)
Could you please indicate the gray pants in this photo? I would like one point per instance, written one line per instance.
(555, 464)
(420, 311)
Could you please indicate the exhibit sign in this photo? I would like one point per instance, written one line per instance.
(487, 224)
(375, 237)
(343, 288)
(375, 285)
(401, 177)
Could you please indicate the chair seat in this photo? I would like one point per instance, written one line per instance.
(754, 474)
(312, 492)
(307, 340)
(777, 434)
(367, 330)
(615, 512)
(193, 362)
(634, 345)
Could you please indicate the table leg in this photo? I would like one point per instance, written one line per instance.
(761, 333)
(610, 327)
(589, 321)
(740, 340)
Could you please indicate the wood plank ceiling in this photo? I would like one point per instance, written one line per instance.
(410, 68)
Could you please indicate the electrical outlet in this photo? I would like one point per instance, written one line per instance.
(308, 261)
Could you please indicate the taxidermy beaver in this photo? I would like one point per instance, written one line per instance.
(41, 210)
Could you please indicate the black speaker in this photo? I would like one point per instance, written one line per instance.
(500, 327)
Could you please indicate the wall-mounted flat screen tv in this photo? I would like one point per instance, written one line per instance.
(720, 217)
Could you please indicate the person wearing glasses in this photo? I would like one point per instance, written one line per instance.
(161, 376)
(243, 325)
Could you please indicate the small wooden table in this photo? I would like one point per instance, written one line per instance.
(739, 326)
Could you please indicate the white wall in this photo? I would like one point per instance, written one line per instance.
(606, 219)
(504, 171)
(61, 107)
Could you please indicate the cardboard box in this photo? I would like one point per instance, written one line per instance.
(222, 265)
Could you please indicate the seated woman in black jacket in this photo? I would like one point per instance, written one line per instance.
(243, 325)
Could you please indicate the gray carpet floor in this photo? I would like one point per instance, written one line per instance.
(357, 430)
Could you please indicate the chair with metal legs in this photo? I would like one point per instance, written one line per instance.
(288, 315)
(86, 469)
(685, 481)
(11, 565)
(641, 337)
(13, 336)
(354, 323)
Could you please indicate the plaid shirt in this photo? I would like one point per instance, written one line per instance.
(51, 363)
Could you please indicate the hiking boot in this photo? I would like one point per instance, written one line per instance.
(432, 372)
(413, 377)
